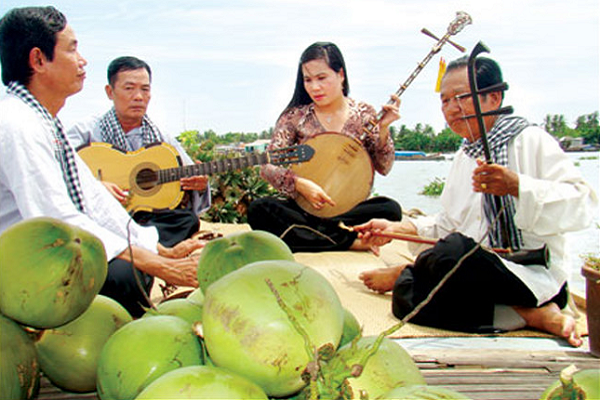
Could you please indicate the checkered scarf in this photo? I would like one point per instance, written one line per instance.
(63, 151)
(112, 132)
(504, 130)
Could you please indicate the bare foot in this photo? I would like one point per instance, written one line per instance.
(381, 280)
(549, 318)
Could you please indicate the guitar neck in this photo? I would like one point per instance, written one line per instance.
(212, 167)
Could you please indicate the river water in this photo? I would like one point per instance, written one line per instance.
(408, 178)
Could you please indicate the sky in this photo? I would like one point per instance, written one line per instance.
(230, 65)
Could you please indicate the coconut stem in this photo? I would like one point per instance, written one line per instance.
(568, 389)
(308, 346)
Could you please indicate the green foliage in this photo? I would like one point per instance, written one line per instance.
(423, 137)
(589, 128)
(433, 188)
(232, 192)
(586, 126)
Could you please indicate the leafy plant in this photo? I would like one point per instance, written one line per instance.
(592, 261)
(233, 191)
(434, 188)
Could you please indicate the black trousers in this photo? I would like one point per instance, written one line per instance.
(173, 225)
(276, 216)
(467, 299)
(121, 284)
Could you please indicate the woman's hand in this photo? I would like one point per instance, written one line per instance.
(391, 114)
(495, 179)
(118, 193)
(313, 193)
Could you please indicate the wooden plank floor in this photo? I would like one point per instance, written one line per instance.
(481, 374)
(484, 374)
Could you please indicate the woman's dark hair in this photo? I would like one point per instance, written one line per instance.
(487, 71)
(126, 63)
(326, 51)
(23, 29)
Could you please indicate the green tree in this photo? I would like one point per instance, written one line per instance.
(446, 141)
(588, 127)
(557, 126)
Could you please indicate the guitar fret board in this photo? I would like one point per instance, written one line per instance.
(212, 167)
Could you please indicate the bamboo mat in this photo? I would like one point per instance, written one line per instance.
(373, 310)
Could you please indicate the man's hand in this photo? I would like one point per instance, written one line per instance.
(117, 192)
(367, 231)
(180, 272)
(495, 179)
(196, 183)
(175, 271)
(181, 249)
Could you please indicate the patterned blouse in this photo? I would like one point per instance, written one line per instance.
(298, 124)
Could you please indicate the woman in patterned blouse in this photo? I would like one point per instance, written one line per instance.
(320, 103)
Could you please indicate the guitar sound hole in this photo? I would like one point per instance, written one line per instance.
(146, 179)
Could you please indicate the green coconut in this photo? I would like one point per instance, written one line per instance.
(224, 255)
(247, 331)
(69, 354)
(351, 328)
(185, 309)
(19, 368)
(196, 296)
(574, 384)
(423, 392)
(143, 350)
(202, 382)
(390, 367)
(50, 272)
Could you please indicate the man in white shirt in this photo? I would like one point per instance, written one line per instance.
(543, 196)
(40, 174)
(127, 127)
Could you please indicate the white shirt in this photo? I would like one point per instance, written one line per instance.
(553, 199)
(88, 131)
(32, 184)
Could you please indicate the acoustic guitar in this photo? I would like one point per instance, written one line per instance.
(341, 165)
(151, 174)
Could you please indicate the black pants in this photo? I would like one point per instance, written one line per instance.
(467, 299)
(276, 216)
(173, 225)
(121, 284)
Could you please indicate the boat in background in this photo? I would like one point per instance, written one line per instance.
(417, 155)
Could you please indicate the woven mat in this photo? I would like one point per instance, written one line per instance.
(373, 310)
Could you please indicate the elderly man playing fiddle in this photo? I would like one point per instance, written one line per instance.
(543, 196)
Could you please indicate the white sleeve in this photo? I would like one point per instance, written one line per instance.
(36, 181)
(553, 197)
(82, 132)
